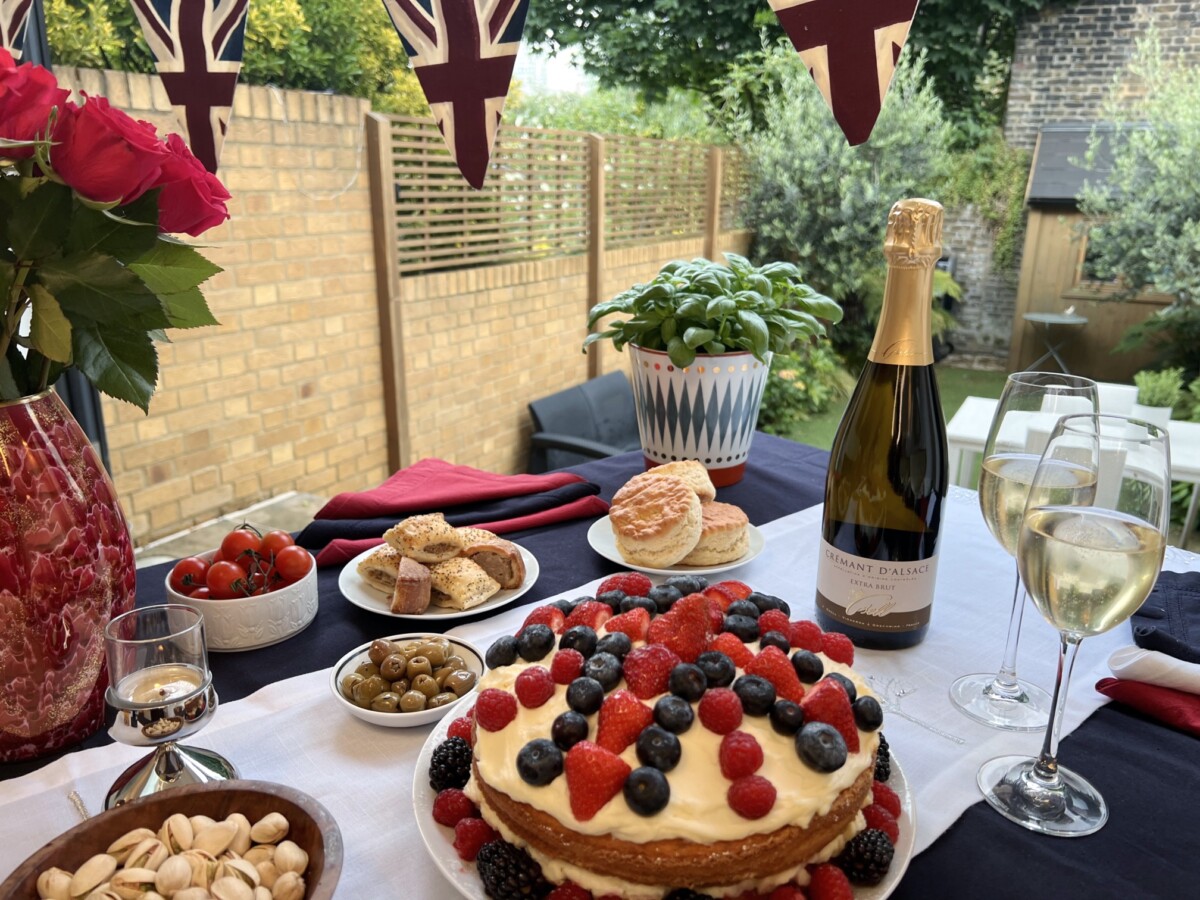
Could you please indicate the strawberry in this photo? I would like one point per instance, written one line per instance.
(534, 686)
(837, 647)
(739, 755)
(878, 817)
(826, 701)
(774, 620)
(566, 666)
(635, 623)
(719, 596)
(463, 728)
(495, 709)
(550, 616)
(622, 718)
(716, 618)
(634, 584)
(739, 589)
(647, 670)
(751, 796)
(886, 797)
(594, 776)
(733, 648)
(773, 665)
(591, 613)
(685, 629)
(828, 882)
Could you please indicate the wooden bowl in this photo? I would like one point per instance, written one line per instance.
(311, 827)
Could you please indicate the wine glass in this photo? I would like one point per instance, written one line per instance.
(162, 691)
(1029, 407)
(1088, 568)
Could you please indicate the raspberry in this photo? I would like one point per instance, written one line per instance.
(731, 646)
(634, 584)
(880, 818)
(568, 890)
(828, 882)
(720, 710)
(786, 892)
(591, 613)
(775, 620)
(550, 616)
(566, 666)
(469, 837)
(594, 776)
(634, 623)
(739, 589)
(773, 665)
(837, 647)
(452, 805)
(622, 718)
(751, 797)
(826, 701)
(462, 727)
(685, 629)
(534, 687)
(886, 797)
(805, 635)
(647, 670)
(495, 709)
(740, 755)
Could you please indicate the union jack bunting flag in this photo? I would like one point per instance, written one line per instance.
(197, 45)
(463, 52)
(14, 16)
(851, 48)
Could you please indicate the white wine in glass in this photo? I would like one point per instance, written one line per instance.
(1029, 407)
(1088, 568)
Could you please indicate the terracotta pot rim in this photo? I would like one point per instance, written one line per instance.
(28, 398)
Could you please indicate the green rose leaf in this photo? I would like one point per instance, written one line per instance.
(37, 221)
(126, 237)
(172, 267)
(121, 362)
(92, 287)
(8, 384)
(50, 331)
(187, 309)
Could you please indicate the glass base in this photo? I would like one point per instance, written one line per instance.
(1073, 808)
(976, 697)
(170, 765)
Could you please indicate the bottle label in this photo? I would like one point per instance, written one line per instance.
(875, 594)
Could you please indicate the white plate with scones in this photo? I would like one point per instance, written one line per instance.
(600, 537)
(374, 598)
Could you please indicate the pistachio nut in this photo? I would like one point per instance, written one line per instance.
(259, 853)
(152, 895)
(268, 873)
(239, 868)
(104, 892)
(262, 893)
(230, 888)
(204, 867)
(192, 893)
(215, 838)
(149, 854)
(288, 886)
(270, 829)
(289, 857)
(130, 884)
(93, 873)
(241, 842)
(54, 884)
(200, 822)
(123, 846)
(176, 832)
(173, 875)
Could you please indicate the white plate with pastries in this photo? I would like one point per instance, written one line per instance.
(600, 537)
(364, 595)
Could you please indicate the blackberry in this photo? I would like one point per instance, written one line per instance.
(687, 894)
(883, 760)
(867, 857)
(509, 873)
(450, 764)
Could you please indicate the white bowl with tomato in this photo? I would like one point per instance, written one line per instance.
(254, 590)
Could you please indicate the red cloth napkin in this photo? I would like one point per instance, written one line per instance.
(437, 484)
(340, 550)
(1178, 709)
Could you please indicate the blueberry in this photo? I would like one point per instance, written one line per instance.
(615, 644)
(579, 637)
(744, 628)
(566, 606)
(718, 668)
(851, 690)
(569, 729)
(742, 608)
(766, 601)
(674, 714)
(664, 596)
(775, 639)
(756, 693)
(534, 642)
(503, 652)
(604, 668)
(539, 762)
(612, 599)
(646, 791)
(687, 681)
(808, 666)
(868, 714)
(659, 748)
(821, 747)
(687, 584)
(584, 695)
(639, 603)
(786, 716)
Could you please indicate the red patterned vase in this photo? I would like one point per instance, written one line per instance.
(66, 568)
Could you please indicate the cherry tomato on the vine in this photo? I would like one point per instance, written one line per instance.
(200, 593)
(240, 546)
(187, 574)
(226, 580)
(274, 541)
(292, 563)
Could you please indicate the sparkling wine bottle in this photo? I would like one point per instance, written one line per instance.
(887, 470)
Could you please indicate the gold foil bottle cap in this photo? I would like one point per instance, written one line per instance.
(914, 233)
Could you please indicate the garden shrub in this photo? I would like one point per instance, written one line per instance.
(802, 383)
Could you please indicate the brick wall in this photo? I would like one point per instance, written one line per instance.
(989, 296)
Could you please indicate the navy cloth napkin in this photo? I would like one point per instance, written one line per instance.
(1169, 620)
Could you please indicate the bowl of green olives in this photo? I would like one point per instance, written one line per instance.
(407, 679)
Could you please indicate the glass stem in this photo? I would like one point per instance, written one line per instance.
(1005, 684)
(1045, 769)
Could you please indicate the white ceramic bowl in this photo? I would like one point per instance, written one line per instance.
(247, 623)
(348, 663)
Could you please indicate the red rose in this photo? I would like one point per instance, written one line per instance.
(105, 155)
(192, 199)
(27, 94)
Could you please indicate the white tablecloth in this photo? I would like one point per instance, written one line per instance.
(293, 733)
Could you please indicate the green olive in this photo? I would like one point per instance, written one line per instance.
(412, 701)
(440, 675)
(367, 690)
(435, 653)
(441, 699)
(460, 682)
(407, 649)
(419, 665)
(388, 701)
(401, 685)
(455, 663)
(348, 684)
(393, 667)
(426, 685)
(366, 669)
(378, 650)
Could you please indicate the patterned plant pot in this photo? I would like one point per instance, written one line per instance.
(66, 568)
(706, 411)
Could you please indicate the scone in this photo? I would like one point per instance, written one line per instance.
(379, 568)
(693, 472)
(723, 535)
(428, 538)
(655, 519)
(460, 583)
(411, 595)
(499, 558)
